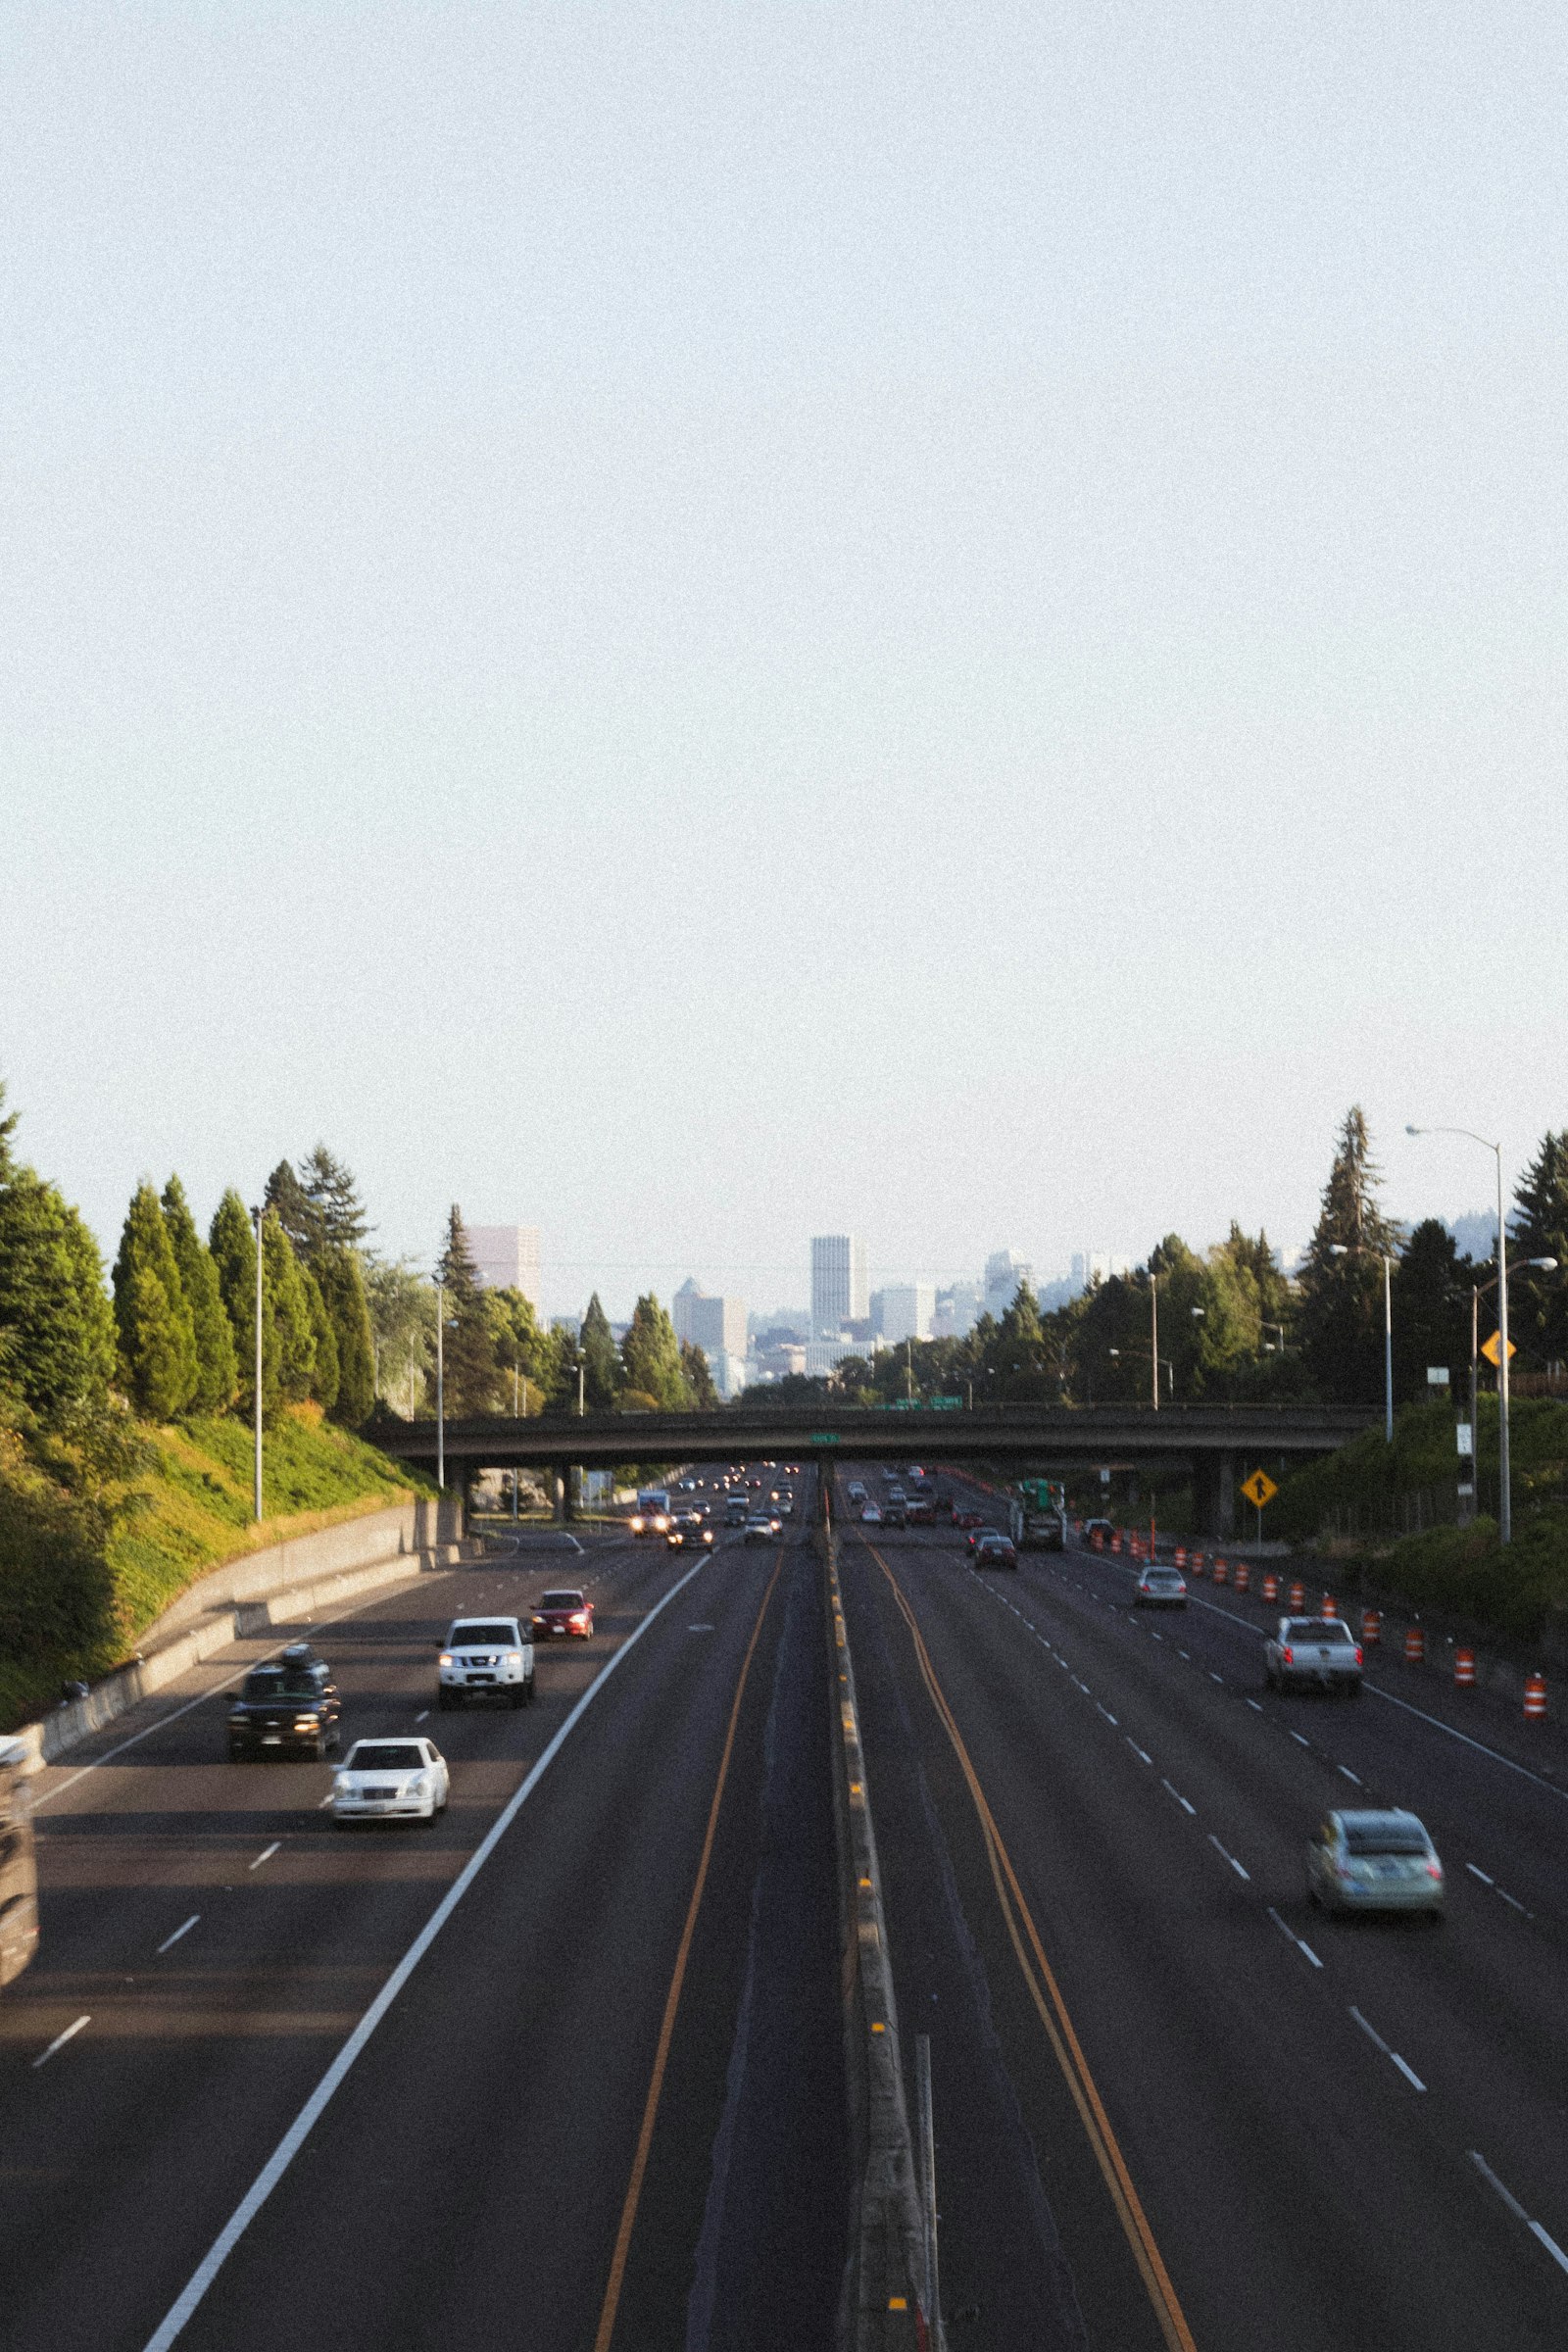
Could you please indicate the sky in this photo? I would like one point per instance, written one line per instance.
(698, 624)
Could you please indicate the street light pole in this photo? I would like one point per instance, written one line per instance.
(255, 1220)
(440, 1384)
(1154, 1335)
(1505, 1483)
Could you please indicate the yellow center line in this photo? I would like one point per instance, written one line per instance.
(634, 2187)
(1046, 1994)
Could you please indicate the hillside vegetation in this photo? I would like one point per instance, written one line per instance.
(88, 1563)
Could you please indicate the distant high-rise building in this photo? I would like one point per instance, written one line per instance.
(717, 1326)
(904, 1311)
(506, 1257)
(1090, 1267)
(958, 1310)
(1004, 1274)
(840, 1290)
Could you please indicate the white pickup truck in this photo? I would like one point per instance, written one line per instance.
(487, 1654)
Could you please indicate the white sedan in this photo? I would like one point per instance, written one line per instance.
(872, 1515)
(384, 1779)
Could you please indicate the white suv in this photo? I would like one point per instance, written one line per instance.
(487, 1653)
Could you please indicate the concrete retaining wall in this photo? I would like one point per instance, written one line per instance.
(286, 1583)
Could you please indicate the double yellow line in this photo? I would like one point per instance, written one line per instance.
(666, 2029)
(1046, 1994)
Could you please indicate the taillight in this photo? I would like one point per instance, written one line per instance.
(1287, 1655)
(1358, 1654)
(1434, 1870)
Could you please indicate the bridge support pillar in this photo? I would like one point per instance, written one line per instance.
(1215, 1494)
(561, 1477)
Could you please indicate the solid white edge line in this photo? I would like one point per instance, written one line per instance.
(1491, 2181)
(60, 2040)
(1408, 2072)
(1371, 2033)
(288, 2148)
(1349, 1775)
(1550, 2244)
(184, 1930)
(1481, 1874)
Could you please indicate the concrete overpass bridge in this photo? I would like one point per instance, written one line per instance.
(1217, 1443)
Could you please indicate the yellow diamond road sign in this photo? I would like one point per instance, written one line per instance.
(1259, 1487)
(1492, 1349)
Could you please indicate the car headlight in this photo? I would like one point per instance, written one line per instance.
(446, 1658)
(307, 1723)
(514, 1657)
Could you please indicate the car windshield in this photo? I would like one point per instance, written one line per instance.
(1319, 1629)
(481, 1637)
(562, 1600)
(280, 1682)
(1385, 1837)
(385, 1755)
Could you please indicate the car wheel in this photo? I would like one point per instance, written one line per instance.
(443, 1700)
(517, 1697)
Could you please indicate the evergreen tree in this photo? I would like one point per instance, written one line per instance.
(158, 1365)
(1340, 1321)
(216, 1370)
(402, 1304)
(698, 1377)
(650, 1355)
(290, 1305)
(601, 1363)
(325, 1377)
(233, 1241)
(1431, 1302)
(334, 1198)
(341, 1280)
(289, 1203)
(1022, 1363)
(57, 1328)
(1540, 1229)
(472, 1373)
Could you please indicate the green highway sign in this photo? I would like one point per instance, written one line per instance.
(947, 1404)
(824, 1436)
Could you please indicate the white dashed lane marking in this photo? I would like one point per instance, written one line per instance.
(1393, 2056)
(1290, 1936)
(1180, 1799)
(184, 1930)
(266, 1854)
(60, 2040)
(1230, 1858)
(1542, 2237)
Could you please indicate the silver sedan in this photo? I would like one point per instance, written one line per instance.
(1375, 1862)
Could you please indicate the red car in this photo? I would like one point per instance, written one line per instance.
(967, 1518)
(991, 1551)
(567, 1612)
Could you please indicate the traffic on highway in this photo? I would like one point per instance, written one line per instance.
(1243, 2005)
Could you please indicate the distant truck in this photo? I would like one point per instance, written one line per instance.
(1037, 1517)
(652, 1515)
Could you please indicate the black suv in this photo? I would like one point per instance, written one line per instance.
(286, 1708)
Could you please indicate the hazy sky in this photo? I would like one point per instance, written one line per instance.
(696, 625)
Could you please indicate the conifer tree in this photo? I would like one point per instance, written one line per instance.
(158, 1364)
(471, 1369)
(1340, 1315)
(338, 1272)
(217, 1368)
(1540, 1229)
(291, 1313)
(57, 1328)
(334, 1200)
(697, 1376)
(288, 1202)
(650, 1355)
(233, 1241)
(325, 1379)
(601, 1364)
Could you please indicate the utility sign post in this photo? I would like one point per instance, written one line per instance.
(1258, 1490)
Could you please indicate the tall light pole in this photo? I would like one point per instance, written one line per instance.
(1505, 1483)
(255, 1220)
(440, 1383)
(1478, 1290)
(1358, 1249)
(1154, 1339)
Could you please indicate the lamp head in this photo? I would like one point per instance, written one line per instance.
(1544, 1265)
(1415, 1131)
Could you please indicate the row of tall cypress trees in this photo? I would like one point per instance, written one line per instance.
(185, 1308)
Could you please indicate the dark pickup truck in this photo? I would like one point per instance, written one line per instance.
(286, 1708)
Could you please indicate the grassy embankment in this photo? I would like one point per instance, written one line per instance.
(1462, 1571)
(79, 1590)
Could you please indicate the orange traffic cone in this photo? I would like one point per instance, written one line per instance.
(1297, 1600)
(1271, 1586)
(1243, 1576)
(1330, 1607)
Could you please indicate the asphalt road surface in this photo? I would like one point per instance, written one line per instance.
(1335, 2134)
(603, 2105)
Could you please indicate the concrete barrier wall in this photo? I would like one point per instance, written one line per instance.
(284, 1583)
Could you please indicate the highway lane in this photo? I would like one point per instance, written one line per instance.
(468, 2179)
(1259, 2096)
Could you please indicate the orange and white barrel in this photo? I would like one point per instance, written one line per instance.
(1297, 1600)
(1371, 1629)
(1244, 1577)
(1415, 1646)
(1464, 1669)
(1271, 1586)
(1535, 1696)
(1328, 1606)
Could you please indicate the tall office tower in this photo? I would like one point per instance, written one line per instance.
(717, 1326)
(506, 1257)
(682, 1305)
(840, 1288)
